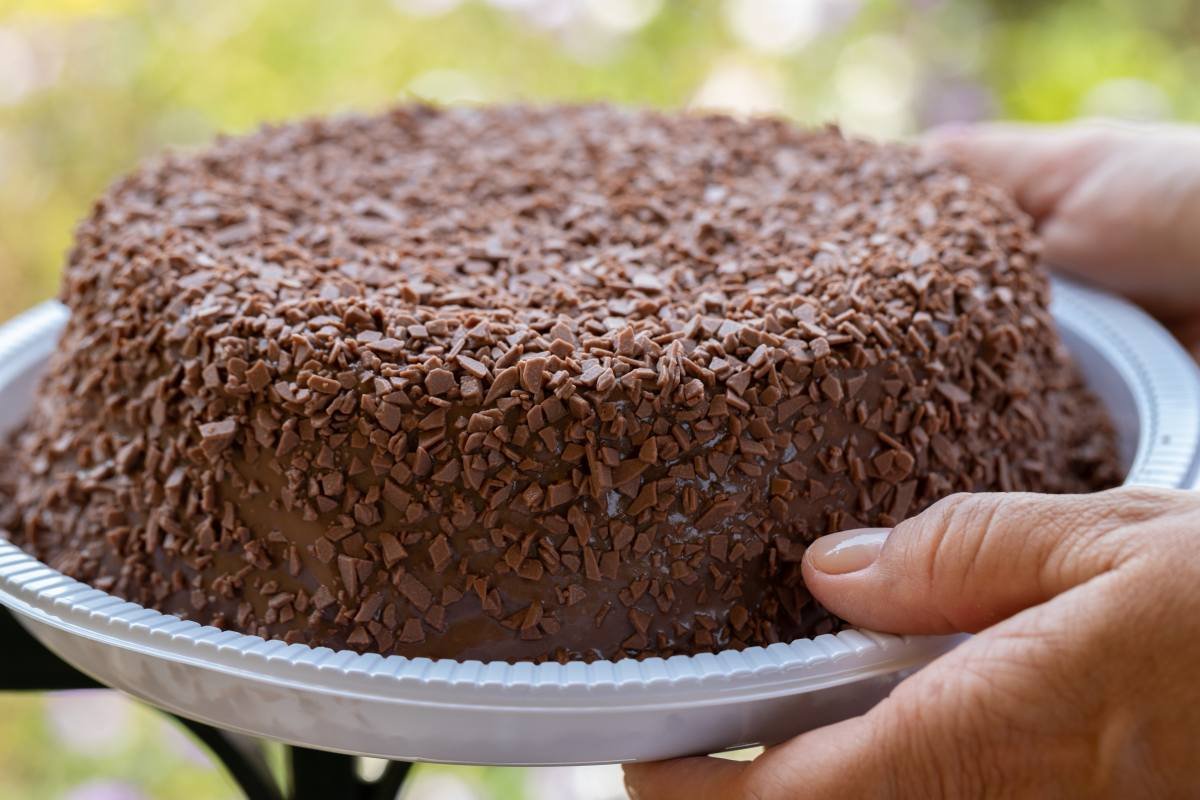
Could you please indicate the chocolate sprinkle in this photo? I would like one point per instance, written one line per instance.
(459, 383)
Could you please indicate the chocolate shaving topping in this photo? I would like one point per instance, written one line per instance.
(461, 383)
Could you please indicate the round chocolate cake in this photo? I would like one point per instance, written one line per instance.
(518, 383)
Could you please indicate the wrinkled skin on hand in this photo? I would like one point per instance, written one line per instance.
(1081, 682)
(1084, 680)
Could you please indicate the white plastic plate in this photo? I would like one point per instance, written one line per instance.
(527, 714)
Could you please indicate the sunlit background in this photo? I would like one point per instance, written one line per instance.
(87, 88)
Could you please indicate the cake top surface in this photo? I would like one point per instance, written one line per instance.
(618, 231)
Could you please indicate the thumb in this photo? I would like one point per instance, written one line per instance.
(971, 560)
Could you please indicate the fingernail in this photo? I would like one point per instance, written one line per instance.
(847, 551)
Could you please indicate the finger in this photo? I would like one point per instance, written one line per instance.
(687, 778)
(834, 761)
(1115, 204)
(954, 729)
(781, 773)
(971, 560)
(1038, 164)
(1130, 224)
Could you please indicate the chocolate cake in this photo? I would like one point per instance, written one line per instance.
(517, 383)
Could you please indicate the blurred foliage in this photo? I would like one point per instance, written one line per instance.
(99, 745)
(143, 750)
(90, 87)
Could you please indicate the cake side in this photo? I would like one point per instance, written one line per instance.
(534, 383)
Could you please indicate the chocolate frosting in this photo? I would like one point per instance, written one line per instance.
(517, 383)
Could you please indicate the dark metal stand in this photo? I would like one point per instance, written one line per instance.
(312, 774)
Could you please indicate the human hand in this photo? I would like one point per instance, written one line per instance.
(1082, 681)
(1117, 205)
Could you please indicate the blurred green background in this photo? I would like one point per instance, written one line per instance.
(89, 87)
